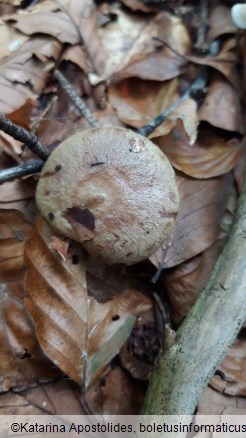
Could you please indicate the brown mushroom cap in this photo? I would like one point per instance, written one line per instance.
(112, 190)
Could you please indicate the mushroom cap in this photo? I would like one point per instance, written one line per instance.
(238, 13)
(112, 190)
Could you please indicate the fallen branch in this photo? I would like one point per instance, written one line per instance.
(201, 342)
(77, 101)
(28, 138)
(21, 170)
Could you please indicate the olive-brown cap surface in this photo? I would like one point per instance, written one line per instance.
(112, 190)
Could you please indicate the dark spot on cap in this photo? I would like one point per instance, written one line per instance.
(51, 216)
(83, 217)
(115, 317)
(75, 259)
(99, 163)
(58, 167)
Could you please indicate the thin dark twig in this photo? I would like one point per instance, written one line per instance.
(201, 45)
(165, 43)
(24, 136)
(198, 84)
(76, 100)
(21, 170)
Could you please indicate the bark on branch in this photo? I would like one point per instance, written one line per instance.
(203, 339)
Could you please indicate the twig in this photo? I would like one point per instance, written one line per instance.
(21, 170)
(198, 84)
(209, 329)
(76, 100)
(201, 45)
(24, 136)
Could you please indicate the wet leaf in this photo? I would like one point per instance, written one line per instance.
(202, 206)
(210, 156)
(79, 334)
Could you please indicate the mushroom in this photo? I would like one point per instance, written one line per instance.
(238, 13)
(112, 190)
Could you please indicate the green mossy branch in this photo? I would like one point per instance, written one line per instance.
(201, 342)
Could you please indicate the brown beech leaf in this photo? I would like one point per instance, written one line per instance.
(137, 102)
(234, 369)
(128, 41)
(225, 62)
(79, 334)
(220, 22)
(138, 5)
(122, 394)
(202, 206)
(221, 107)
(22, 362)
(11, 39)
(22, 76)
(211, 155)
(69, 22)
(17, 190)
(77, 55)
(56, 398)
(184, 282)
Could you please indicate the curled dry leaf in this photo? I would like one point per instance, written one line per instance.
(22, 76)
(221, 107)
(79, 334)
(211, 155)
(202, 205)
(225, 62)
(77, 55)
(69, 22)
(128, 41)
(11, 39)
(234, 369)
(220, 22)
(22, 363)
(138, 102)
